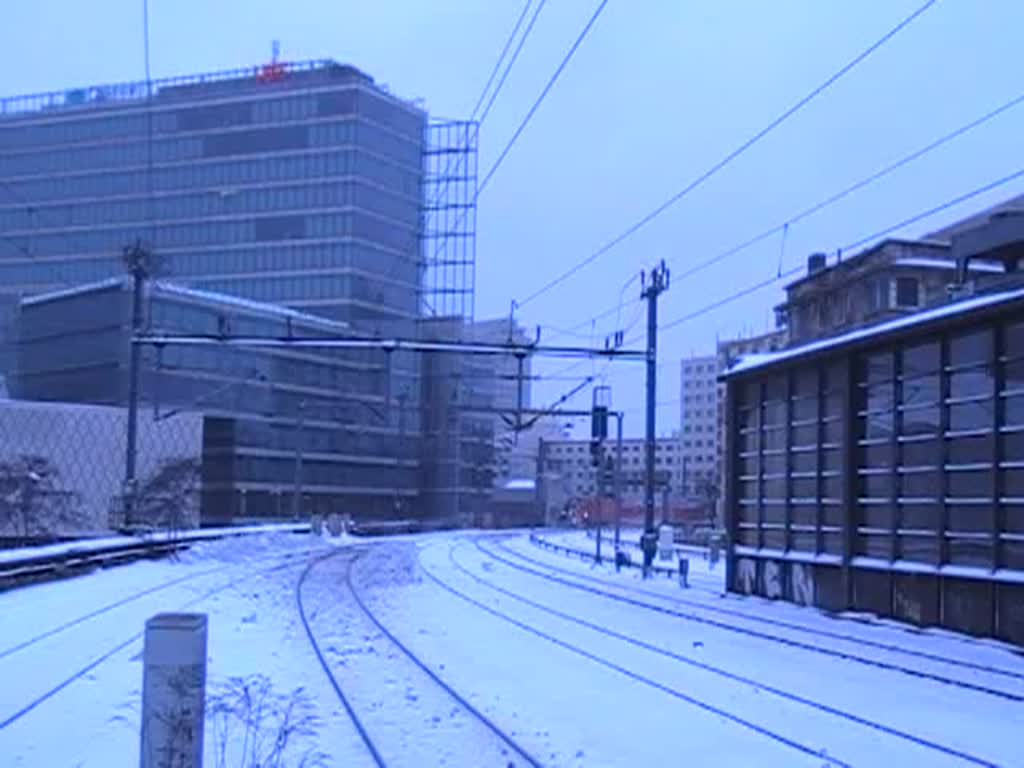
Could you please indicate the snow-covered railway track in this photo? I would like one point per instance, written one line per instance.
(789, 625)
(999, 682)
(426, 697)
(849, 719)
(106, 608)
(9, 718)
(797, 745)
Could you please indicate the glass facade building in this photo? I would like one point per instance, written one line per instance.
(303, 188)
(282, 425)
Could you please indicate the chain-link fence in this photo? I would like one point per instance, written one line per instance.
(62, 470)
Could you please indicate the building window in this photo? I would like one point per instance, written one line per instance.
(878, 294)
(908, 292)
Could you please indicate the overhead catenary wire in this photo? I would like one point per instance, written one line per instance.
(860, 242)
(722, 163)
(543, 94)
(793, 271)
(836, 197)
(511, 62)
(490, 81)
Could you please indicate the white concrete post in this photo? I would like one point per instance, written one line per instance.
(173, 691)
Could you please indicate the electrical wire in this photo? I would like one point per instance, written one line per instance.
(834, 198)
(511, 62)
(874, 236)
(649, 217)
(490, 80)
(543, 94)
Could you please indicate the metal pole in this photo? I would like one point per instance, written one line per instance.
(618, 478)
(401, 450)
(658, 284)
(458, 455)
(136, 257)
(600, 500)
(519, 395)
(297, 490)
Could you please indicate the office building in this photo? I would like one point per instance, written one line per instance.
(287, 431)
(698, 429)
(295, 184)
(305, 190)
(573, 462)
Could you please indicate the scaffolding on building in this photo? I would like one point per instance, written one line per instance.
(448, 247)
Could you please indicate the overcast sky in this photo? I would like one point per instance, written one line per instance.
(658, 92)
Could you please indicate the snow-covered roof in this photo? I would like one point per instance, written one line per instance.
(751, 362)
(933, 263)
(99, 285)
(248, 305)
(262, 308)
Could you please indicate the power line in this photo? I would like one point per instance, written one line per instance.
(648, 218)
(511, 61)
(851, 246)
(536, 104)
(490, 80)
(840, 195)
(448, 169)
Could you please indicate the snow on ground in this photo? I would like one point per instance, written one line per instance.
(412, 720)
(973, 722)
(527, 651)
(708, 578)
(246, 585)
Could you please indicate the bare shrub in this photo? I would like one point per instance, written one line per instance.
(169, 499)
(251, 726)
(32, 504)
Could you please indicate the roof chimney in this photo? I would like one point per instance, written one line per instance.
(815, 263)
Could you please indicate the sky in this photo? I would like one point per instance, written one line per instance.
(659, 91)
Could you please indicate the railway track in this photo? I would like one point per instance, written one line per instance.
(707, 615)
(749, 616)
(28, 643)
(700, 703)
(425, 692)
(13, 717)
(849, 718)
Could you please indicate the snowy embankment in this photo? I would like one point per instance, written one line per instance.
(106, 542)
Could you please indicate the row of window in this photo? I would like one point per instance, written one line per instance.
(283, 257)
(706, 397)
(696, 413)
(699, 383)
(689, 369)
(282, 470)
(688, 428)
(217, 175)
(222, 232)
(333, 193)
(236, 143)
(284, 289)
(258, 109)
(938, 461)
